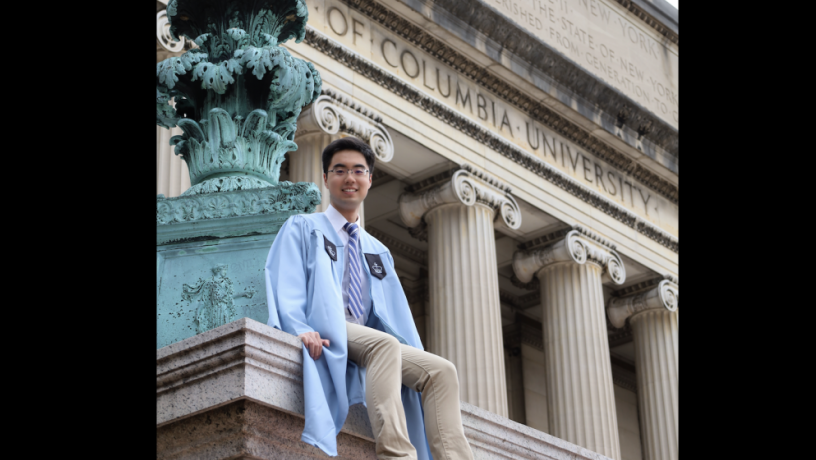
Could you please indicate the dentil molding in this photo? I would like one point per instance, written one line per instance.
(468, 186)
(332, 113)
(409, 92)
(665, 295)
(578, 245)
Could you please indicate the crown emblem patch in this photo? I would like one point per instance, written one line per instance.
(331, 249)
(375, 263)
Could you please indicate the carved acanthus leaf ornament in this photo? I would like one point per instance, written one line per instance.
(238, 95)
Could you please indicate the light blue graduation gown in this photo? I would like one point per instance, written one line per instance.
(303, 289)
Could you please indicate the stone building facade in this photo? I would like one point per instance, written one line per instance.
(527, 185)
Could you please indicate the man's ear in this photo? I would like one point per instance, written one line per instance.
(324, 181)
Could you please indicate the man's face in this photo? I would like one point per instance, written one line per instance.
(347, 191)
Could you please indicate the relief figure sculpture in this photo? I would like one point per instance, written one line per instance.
(216, 296)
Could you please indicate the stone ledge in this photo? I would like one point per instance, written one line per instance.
(236, 391)
(244, 359)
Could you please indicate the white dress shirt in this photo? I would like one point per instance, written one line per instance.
(338, 221)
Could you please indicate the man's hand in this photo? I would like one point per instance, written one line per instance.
(314, 343)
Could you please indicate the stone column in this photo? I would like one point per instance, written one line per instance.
(654, 318)
(331, 117)
(578, 371)
(305, 164)
(465, 319)
(172, 176)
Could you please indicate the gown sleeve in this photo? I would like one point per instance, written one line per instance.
(286, 273)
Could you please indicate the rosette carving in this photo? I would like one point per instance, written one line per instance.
(665, 295)
(575, 247)
(329, 114)
(468, 186)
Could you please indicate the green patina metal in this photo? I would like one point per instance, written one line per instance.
(237, 97)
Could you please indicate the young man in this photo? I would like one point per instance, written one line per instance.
(334, 286)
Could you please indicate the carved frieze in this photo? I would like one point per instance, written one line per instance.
(550, 62)
(332, 113)
(404, 89)
(575, 246)
(286, 196)
(665, 295)
(468, 186)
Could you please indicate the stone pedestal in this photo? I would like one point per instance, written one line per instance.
(580, 392)
(236, 392)
(465, 317)
(654, 318)
(210, 255)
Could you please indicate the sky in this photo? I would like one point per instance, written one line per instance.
(674, 3)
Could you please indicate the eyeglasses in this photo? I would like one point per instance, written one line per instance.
(356, 172)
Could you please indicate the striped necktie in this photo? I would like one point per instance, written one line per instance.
(355, 272)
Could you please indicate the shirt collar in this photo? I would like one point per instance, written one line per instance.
(336, 219)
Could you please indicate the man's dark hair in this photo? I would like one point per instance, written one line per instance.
(348, 143)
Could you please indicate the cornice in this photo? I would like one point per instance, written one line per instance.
(550, 238)
(352, 104)
(430, 182)
(573, 79)
(380, 177)
(520, 302)
(650, 20)
(398, 247)
(620, 336)
(412, 94)
(623, 375)
(636, 288)
(523, 331)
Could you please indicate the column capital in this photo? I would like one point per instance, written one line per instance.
(163, 35)
(468, 186)
(332, 113)
(579, 245)
(665, 295)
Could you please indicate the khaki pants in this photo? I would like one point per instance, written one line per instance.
(389, 365)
